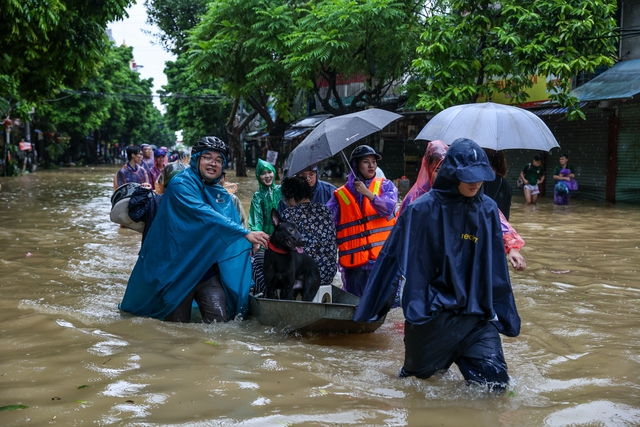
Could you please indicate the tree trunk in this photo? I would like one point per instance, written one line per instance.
(234, 133)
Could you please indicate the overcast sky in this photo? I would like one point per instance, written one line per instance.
(146, 51)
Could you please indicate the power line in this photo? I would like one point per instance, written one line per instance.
(140, 96)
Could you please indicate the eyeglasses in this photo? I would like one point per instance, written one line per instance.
(209, 160)
(308, 176)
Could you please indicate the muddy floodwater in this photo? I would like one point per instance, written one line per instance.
(70, 357)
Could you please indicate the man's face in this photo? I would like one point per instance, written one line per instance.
(210, 165)
(147, 152)
(537, 163)
(137, 157)
(563, 161)
(310, 176)
(469, 189)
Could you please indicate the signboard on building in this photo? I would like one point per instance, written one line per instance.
(272, 156)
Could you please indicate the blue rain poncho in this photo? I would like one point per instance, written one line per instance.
(450, 250)
(196, 226)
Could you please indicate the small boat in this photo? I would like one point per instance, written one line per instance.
(304, 316)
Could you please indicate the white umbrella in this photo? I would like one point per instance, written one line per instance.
(495, 126)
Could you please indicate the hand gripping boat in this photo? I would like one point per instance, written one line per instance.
(335, 314)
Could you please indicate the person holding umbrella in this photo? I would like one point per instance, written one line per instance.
(431, 162)
(364, 213)
(457, 296)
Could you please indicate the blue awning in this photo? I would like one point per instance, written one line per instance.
(618, 82)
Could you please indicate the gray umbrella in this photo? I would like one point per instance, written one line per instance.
(333, 135)
(495, 126)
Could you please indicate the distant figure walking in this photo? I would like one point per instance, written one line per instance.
(565, 183)
(533, 176)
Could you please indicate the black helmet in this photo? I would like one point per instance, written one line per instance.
(210, 143)
(363, 150)
(123, 192)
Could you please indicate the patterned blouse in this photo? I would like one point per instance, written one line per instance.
(315, 222)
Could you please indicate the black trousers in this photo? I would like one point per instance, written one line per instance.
(471, 343)
(211, 300)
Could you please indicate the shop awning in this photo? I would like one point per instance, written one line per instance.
(554, 110)
(293, 133)
(618, 82)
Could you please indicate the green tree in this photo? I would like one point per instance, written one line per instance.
(50, 44)
(194, 107)
(113, 106)
(240, 43)
(376, 39)
(470, 49)
(174, 18)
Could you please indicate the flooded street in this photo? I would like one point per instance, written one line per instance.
(73, 359)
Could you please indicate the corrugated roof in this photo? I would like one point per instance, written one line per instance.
(555, 110)
(311, 121)
(618, 82)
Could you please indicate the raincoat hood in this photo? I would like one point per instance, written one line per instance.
(195, 160)
(432, 159)
(196, 226)
(450, 250)
(465, 162)
(261, 167)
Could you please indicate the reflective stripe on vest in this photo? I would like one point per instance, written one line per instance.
(361, 233)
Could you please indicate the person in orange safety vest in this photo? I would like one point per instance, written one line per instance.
(364, 213)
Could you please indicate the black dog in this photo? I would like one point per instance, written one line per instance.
(286, 267)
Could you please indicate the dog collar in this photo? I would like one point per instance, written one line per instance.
(274, 249)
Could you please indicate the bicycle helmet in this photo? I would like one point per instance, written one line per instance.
(210, 143)
(363, 150)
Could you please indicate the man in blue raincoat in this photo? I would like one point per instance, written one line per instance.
(457, 297)
(196, 248)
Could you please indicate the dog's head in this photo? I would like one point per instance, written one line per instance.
(286, 235)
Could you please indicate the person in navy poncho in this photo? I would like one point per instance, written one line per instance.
(196, 248)
(457, 296)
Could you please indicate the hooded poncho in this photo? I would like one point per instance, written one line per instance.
(433, 156)
(265, 199)
(450, 250)
(196, 226)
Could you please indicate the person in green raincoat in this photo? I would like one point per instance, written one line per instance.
(266, 198)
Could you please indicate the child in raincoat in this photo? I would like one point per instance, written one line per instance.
(266, 198)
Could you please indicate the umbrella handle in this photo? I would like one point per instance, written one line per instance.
(344, 156)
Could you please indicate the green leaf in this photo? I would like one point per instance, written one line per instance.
(83, 386)
(12, 407)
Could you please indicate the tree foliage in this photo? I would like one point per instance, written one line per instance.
(240, 45)
(50, 44)
(114, 106)
(476, 48)
(376, 39)
(174, 18)
(194, 107)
